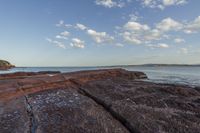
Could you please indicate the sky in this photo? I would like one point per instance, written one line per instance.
(99, 32)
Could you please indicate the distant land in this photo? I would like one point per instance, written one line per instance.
(169, 65)
(156, 65)
(4, 65)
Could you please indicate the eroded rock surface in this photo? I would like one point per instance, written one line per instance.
(148, 107)
(101, 101)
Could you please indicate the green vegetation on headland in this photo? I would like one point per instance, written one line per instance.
(4, 65)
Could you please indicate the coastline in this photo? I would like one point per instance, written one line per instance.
(111, 100)
(171, 75)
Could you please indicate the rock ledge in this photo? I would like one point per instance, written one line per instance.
(100, 101)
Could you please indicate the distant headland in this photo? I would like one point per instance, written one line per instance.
(154, 65)
(5, 65)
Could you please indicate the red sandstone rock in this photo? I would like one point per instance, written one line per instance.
(102, 101)
(18, 75)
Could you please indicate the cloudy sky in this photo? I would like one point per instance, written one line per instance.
(99, 32)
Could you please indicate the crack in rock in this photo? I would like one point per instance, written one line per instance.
(33, 121)
(108, 108)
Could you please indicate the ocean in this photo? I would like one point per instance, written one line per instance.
(184, 75)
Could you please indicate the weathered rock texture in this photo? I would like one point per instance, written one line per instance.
(103, 101)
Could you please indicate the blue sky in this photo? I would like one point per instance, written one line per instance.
(99, 32)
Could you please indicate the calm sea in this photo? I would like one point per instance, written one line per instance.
(186, 75)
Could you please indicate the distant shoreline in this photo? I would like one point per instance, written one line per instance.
(145, 65)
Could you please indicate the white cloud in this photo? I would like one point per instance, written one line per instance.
(81, 26)
(61, 37)
(77, 43)
(65, 33)
(154, 35)
(134, 32)
(160, 45)
(193, 27)
(162, 4)
(163, 45)
(111, 3)
(179, 40)
(60, 24)
(183, 51)
(100, 37)
(168, 24)
(49, 40)
(67, 25)
(137, 33)
(135, 26)
(174, 2)
(119, 45)
(134, 16)
(131, 38)
(57, 43)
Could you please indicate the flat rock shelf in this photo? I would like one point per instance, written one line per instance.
(98, 101)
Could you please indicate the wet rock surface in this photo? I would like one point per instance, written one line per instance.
(101, 101)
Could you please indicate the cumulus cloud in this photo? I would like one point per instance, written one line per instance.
(179, 40)
(137, 33)
(119, 45)
(67, 25)
(183, 51)
(100, 37)
(193, 27)
(63, 35)
(168, 24)
(174, 2)
(160, 45)
(77, 43)
(135, 26)
(162, 4)
(159, 4)
(131, 38)
(111, 3)
(57, 43)
(60, 24)
(134, 16)
(80, 26)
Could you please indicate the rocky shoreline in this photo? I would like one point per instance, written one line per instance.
(100, 101)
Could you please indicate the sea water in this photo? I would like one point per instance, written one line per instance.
(186, 75)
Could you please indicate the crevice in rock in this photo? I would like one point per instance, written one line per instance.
(33, 122)
(107, 107)
(32, 119)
